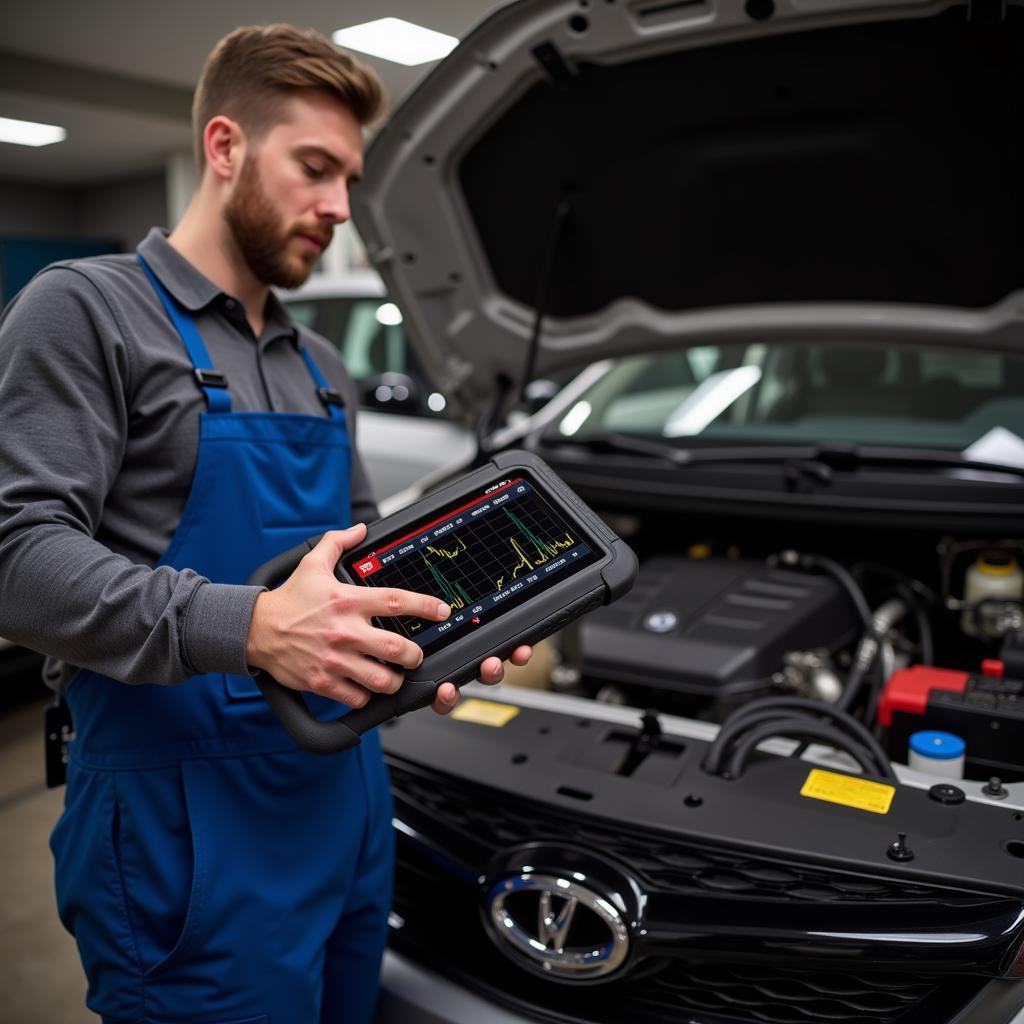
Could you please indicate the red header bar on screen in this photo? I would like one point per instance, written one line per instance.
(434, 522)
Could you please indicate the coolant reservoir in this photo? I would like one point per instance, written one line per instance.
(995, 574)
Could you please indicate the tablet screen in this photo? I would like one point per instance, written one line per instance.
(491, 551)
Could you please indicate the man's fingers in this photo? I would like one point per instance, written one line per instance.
(335, 678)
(389, 602)
(345, 691)
(446, 698)
(382, 643)
(521, 655)
(492, 670)
(374, 676)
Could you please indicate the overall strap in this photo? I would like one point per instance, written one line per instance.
(328, 395)
(213, 383)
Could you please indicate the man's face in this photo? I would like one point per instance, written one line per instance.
(293, 188)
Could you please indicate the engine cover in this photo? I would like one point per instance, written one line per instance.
(713, 628)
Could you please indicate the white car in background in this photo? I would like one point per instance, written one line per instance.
(404, 431)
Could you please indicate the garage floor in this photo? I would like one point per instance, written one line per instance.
(41, 981)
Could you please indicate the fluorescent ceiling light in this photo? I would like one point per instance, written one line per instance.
(30, 133)
(397, 40)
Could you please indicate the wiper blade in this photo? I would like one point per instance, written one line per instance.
(826, 457)
(628, 444)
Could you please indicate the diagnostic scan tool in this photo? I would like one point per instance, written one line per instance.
(510, 548)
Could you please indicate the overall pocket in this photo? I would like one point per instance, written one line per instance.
(158, 856)
(88, 886)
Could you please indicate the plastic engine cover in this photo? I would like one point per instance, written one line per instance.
(713, 628)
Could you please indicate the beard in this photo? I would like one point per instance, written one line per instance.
(256, 230)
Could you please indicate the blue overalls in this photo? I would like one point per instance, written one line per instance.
(210, 871)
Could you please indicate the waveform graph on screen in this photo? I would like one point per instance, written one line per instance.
(529, 549)
(485, 555)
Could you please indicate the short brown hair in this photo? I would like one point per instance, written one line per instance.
(253, 69)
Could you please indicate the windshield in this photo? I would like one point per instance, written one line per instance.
(905, 395)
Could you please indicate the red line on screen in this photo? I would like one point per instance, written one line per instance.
(441, 519)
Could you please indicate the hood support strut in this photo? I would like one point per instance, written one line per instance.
(547, 269)
(487, 423)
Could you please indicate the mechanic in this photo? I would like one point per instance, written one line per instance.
(166, 429)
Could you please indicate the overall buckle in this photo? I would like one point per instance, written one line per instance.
(330, 396)
(211, 379)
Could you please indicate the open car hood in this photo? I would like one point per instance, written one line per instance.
(647, 173)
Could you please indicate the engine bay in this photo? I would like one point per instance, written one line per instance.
(907, 633)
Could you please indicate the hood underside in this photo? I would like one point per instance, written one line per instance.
(647, 174)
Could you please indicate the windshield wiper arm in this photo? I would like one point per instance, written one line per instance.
(610, 441)
(830, 456)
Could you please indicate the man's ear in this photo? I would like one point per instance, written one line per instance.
(224, 147)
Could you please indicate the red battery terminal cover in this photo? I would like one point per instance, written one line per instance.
(908, 689)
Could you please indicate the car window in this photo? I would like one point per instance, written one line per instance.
(370, 334)
(372, 341)
(842, 392)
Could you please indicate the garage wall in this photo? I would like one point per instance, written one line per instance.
(124, 210)
(36, 210)
(40, 224)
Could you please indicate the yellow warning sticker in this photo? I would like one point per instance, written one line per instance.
(848, 790)
(485, 712)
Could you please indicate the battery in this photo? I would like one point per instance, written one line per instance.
(985, 709)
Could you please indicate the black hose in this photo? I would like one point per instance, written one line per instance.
(874, 693)
(926, 652)
(846, 581)
(852, 686)
(845, 732)
(921, 591)
(919, 598)
(919, 609)
(747, 717)
(805, 728)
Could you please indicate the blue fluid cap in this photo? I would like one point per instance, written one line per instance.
(942, 746)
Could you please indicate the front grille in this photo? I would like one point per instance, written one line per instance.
(775, 996)
(494, 821)
(443, 930)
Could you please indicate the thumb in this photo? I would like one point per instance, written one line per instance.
(334, 543)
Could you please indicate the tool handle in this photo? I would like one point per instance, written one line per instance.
(315, 736)
(309, 732)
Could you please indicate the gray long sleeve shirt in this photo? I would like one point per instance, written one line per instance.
(99, 430)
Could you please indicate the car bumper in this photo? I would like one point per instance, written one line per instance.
(411, 994)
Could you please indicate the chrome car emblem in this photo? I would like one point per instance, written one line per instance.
(543, 944)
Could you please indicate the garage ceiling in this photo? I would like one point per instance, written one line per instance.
(119, 74)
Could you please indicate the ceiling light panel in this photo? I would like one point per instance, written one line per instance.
(397, 40)
(30, 133)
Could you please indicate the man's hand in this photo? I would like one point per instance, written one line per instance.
(314, 632)
(491, 671)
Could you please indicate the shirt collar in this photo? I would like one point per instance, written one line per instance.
(195, 291)
(189, 288)
(277, 318)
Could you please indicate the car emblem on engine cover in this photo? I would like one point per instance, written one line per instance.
(557, 926)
